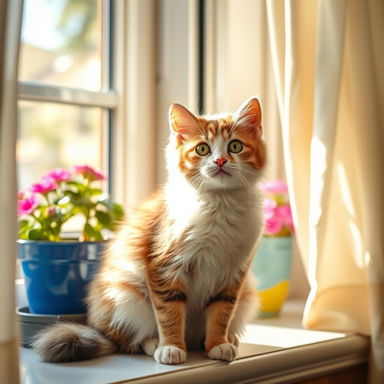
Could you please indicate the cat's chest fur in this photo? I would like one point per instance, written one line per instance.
(223, 229)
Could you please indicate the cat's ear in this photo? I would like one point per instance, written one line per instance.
(182, 122)
(249, 115)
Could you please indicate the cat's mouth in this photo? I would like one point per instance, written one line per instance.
(221, 171)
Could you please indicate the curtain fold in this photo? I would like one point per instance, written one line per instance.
(10, 24)
(328, 57)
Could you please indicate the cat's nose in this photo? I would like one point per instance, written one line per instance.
(220, 161)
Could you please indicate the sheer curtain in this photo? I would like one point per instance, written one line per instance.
(328, 59)
(10, 22)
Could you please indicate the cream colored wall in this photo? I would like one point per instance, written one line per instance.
(177, 66)
(242, 60)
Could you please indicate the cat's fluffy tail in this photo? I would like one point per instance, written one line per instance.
(65, 342)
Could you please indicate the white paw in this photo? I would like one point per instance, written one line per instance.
(169, 354)
(150, 345)
(226, 351)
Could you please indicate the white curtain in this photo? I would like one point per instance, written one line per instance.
(10, 22)
(328, 61)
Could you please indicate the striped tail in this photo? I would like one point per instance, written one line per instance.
(65, 342)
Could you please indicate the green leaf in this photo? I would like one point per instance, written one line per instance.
(36, 234)
(91, 233)
(55, 228)
(23, 224)
(74, 183)
(95, 191)
(79, 199)
(104, 218)
(118, 211)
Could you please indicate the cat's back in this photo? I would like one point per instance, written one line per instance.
(127, 255)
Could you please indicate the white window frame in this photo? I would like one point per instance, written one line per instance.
(133, 147)
(129, 61)
(106, 98)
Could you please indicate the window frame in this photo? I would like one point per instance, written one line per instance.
(106, 98)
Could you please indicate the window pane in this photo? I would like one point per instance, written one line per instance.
(57, 136)
(61, 43)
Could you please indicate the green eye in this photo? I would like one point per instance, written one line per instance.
(235, 146)
(203, 149)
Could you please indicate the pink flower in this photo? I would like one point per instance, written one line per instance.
(46, 185)
(58, 174)
(278, 187)
(89, 172)
(27, 205)
(272, 225)
(285, 214)
(278, 217)
(269, 206)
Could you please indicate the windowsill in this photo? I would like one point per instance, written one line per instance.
(273, 350)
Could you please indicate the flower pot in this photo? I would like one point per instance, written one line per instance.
(56, 274)
(272, 267)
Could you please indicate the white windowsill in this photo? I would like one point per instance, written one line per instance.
(271, 351)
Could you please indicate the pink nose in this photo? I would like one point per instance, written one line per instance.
(220, 161)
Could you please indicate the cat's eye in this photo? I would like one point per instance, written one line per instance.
(203, 149)
(235, 146)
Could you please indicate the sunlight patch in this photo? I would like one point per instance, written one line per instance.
(285, 337)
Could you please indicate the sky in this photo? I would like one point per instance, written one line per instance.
(39, 20)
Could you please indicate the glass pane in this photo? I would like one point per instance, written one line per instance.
(61, 43)
(57, 136)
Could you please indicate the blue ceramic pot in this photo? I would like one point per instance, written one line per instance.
(56, 274)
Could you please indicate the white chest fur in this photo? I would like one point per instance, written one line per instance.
(223, 228)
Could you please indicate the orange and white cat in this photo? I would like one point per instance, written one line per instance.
(177, 275)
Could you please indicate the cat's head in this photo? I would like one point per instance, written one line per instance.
(218, 152)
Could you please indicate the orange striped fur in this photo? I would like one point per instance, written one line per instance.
(176, 276)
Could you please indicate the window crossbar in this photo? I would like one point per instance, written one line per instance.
(57, 94)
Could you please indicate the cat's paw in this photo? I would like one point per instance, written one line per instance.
(150, 346)
(170, 354)
(226, 351)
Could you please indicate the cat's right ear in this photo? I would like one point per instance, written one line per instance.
(182, 122)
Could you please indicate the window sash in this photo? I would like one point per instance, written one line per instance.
(58, 94)
(106, 98)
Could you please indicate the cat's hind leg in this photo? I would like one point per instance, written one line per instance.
(123, 315)
(150, 345)
(246, 309)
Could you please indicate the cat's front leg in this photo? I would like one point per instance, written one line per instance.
(219, 312)
(169, 303)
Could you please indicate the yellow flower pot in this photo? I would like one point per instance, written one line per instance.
(272, 267)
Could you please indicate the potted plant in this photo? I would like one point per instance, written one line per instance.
(56, 269)
(273, 260)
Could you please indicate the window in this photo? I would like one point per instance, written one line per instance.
(66, 103)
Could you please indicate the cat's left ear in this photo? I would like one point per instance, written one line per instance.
(249, 114)
(183, 122)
